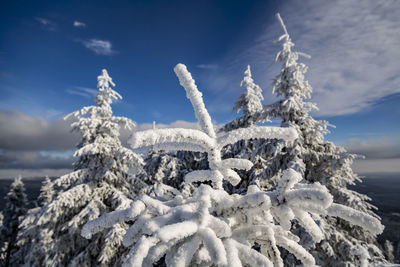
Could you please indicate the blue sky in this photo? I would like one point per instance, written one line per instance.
(52, 51)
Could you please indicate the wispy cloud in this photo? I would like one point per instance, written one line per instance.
(83, 91)
(355, 52)
(100, 47)
(208, 66)
(354, 48)
(79, 24)
(47, 24)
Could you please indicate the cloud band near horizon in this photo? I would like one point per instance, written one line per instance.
(43, 147)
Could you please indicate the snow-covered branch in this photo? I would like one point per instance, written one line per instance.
(205, 140)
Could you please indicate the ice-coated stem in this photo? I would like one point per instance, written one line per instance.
(278, 16)
(195, 97)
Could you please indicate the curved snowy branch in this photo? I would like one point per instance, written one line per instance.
(265, 132)
(195, 97)
(109, 219)
(170, 137)
(356, 217)
(240, 164)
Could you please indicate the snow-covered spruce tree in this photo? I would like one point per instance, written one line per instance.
(1, 241)
(212, 227)
(28, 227)
(319, 161)
(46, 192)
(16, 207)
(249, 103)
(389, 250)
(98, 185)
(258, 151)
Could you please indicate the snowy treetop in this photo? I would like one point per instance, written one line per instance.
(290, 82)
(250, 101)
(106, 94)
(104, 80)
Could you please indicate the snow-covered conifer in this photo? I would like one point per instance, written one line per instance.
(319, 161)
(46, 192)
(98, 185)
(389, 251)
(2, 247)
(211, 227)
(28, 228)
(258, 151)
(249, 103)
(16, 207)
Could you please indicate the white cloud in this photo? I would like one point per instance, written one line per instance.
(79, 24)
(47, 24)
(354, 47)
(375, 148)
(83, 91)
(207, 66)
(22, 132)
(43, 21)
(100, 47)
(382, 154)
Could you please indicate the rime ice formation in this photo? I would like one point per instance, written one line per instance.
(211, 227)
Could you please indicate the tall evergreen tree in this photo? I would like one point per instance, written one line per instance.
(99, 184)
(28, 227)
(16, 207)
(320, 161)
(46, 192)
(249, 103)
(258, 151)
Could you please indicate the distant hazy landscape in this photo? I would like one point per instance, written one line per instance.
(383, 188)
